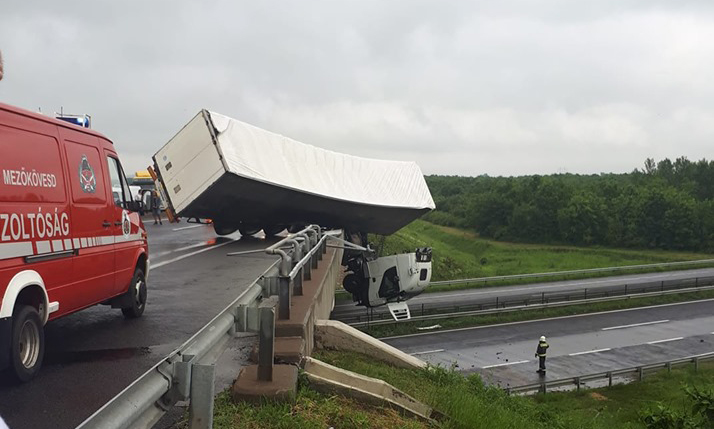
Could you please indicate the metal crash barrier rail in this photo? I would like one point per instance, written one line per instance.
(638, 371)
(187, 374)
(500, 304)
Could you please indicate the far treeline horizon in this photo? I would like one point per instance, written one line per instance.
(665, 205)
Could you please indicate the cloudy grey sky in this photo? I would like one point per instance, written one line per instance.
(473, 87)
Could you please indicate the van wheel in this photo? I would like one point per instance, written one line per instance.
(28, 343)
(136, 295)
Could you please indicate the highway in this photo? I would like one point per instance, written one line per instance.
(93, 354)
(349, 312)
(579, 345)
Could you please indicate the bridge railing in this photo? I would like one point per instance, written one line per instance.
(639, 372)
(187, 373)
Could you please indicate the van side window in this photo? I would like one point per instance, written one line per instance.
(120, 189)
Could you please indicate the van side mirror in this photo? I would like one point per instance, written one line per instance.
(135, 206)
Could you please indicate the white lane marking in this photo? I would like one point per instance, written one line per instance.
(187, 227)
(180, 249)
(504, 364)
(473, 328)
(635, 324)
(589, 351)
(178, 258)
(664, 341)
(427, 352)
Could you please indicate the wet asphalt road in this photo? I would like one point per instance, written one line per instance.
(594, 337)
(93, 354)
(349, 312)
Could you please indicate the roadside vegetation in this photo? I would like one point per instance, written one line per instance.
(680, 399)
(665, 205)
(311, 410)
(459, 254)
(406, 328)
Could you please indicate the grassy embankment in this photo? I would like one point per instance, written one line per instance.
(462, 254)
(467, 402)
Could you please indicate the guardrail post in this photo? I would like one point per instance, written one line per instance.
(577, 383)
(542, 297)
(285, 296)
(586, 293)
(696, 364)
(696, 281)
(640, 373)
(542, 388)
(609, 379)
(266, 344)
(200, 409)
(669, 366)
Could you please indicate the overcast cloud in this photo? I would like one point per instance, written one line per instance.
(468, 88)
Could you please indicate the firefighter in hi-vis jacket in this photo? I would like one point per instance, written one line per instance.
(540, 354)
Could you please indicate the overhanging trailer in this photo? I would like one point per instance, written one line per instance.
(243, 177)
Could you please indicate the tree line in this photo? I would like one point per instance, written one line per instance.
(664, 205)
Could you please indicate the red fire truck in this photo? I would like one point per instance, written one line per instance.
(70, 234)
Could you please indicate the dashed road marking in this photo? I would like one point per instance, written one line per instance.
(635, 324)
(504, 364)
(589, 351)
(427, 352)
(664, 341)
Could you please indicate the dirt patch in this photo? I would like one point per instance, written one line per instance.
(598, 397)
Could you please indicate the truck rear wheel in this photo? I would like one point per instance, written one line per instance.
(222, 229)
(249, 229)
(272, 230)
(136, 296)
(296, 227)
(27, 349)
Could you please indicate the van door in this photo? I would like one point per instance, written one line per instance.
(92, 232)
(125, 245)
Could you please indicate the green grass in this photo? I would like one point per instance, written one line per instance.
(620, 406)
(312, 410)
(404, 328)
(467, 402)
(462, 254)
(470, 404)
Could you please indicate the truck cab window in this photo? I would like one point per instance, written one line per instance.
(120, 189)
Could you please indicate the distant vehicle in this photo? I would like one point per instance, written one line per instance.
(70, 234)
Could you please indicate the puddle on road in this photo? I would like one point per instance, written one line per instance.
(68, 357)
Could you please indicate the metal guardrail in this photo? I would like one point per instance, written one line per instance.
(504, 306)
(485, 280)
(187, 373)
(638, 371)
